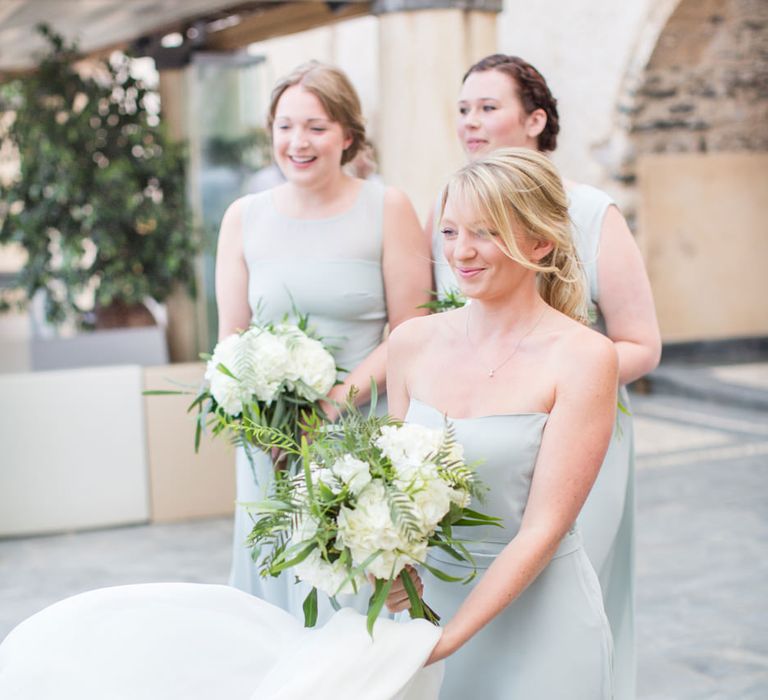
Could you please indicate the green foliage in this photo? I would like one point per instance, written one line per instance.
(100, 198)
(449, 299)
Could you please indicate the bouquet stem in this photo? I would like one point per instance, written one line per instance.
(419, 609)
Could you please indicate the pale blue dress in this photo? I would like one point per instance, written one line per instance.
(553, 642)
(330, 269)
(607, 518)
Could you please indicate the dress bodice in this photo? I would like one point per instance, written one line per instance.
(506, 447)
(328, 268)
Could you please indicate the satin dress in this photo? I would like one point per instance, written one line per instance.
(553, 641)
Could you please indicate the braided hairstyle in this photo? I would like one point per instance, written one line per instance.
(532, 90)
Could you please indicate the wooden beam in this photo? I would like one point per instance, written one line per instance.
(286, 18)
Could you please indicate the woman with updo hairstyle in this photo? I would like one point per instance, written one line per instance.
(504, 101)
(346, 251)
(531, 392)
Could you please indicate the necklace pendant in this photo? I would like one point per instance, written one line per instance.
(490, 373)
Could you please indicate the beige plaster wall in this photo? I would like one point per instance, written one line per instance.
(703, 231)
(183, 484)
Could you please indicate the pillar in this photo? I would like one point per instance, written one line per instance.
(425, 47)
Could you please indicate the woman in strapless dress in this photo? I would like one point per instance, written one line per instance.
(531, 391)
(505, 102)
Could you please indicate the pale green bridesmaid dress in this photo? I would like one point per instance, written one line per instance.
(607, 518)
(330, 269)
(553, 642)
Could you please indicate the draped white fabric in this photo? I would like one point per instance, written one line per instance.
(192, 641)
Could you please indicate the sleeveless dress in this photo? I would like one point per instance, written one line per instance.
(553, 641)
(159, 641)
(330, 269)
(607, 518)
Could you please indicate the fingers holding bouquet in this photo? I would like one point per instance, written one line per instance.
(399, 598)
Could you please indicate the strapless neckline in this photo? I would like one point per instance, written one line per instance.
(520, 414)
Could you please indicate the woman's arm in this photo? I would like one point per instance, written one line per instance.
(573, 446)
(232, 274)
(626, 300)
(406, 262)
(407, 278)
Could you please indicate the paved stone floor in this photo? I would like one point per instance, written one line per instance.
(702, 573)
(702, 567)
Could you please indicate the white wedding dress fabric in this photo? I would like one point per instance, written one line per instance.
(189, 641)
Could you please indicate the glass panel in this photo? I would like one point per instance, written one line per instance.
(228, 144)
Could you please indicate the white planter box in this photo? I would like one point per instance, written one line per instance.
(72, 450)
(135, 346)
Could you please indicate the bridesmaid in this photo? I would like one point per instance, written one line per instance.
(346, 251)
(532, 395)
(504, 101)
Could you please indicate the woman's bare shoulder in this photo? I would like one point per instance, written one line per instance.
(417, 331)
(580, 349)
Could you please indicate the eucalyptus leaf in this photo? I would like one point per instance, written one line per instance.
(310, 608)
(376, 603)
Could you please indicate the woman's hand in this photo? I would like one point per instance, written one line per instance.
(397, 600)
(279, 458)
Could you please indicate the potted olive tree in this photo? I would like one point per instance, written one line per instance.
(99, 202)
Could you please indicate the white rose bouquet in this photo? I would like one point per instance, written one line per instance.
(373, 495)
(272, 375)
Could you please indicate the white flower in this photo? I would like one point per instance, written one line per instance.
(313, 365)
(391, 563)
(311, 369)
(367, 528)
(257, 361)
(228, 392)
(353, 472)
(409, 446)
(327, 477)
(432, 501)
(314, 569)
(325, 576)
(368, 524)
(268, 363)
(461, 497)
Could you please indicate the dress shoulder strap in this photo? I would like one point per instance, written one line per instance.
(587, 207)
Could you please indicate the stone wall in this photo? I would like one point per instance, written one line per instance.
(705, 88)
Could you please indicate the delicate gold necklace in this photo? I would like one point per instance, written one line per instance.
(492, 370)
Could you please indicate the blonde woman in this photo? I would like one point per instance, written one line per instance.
(504, 101)
(346, 251)
(531, 391)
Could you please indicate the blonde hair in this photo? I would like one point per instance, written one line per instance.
(337, 95)
(518, 189)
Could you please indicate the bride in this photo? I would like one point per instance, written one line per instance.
(531, 392)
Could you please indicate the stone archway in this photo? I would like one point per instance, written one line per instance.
(696, 163)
